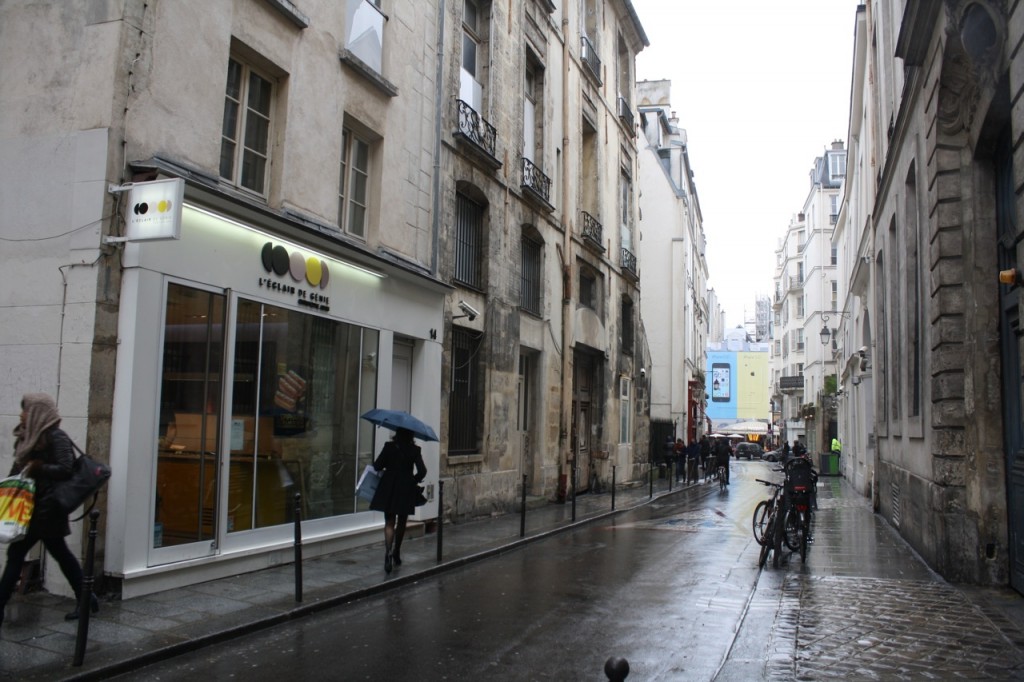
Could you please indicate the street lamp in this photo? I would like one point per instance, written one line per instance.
(827, 333)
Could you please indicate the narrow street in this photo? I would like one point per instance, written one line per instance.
(673, 587)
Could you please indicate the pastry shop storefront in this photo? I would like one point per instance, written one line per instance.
(247, 350)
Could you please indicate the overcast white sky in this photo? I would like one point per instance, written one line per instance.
(762, 89)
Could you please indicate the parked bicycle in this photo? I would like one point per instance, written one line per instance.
(797, 501)
(765, 523)
(721, 477)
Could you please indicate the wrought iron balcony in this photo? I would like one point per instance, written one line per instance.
(796, 283)
(473, 126)
(591, 62)
(592, 231)
(629, 262)
(535, 180)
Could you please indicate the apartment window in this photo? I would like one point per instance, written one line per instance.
(625, 410)
(474, 37)
(835, 295)
(626, 210)
(834, 260)
(627, 325)
(524, 393)
(590, 289)
(352, 193)
(530, 274)
(365, 24)
(533, 110)
(801, 306)
(468, 241)
(837, 166)
(245, 132)
(466, 399)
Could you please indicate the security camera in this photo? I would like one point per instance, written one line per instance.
(470, 311)
(643, 371)
(863, 351)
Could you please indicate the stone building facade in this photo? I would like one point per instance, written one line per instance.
(940, 127)
(537, 199)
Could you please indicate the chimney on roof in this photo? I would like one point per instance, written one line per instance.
(837, 144)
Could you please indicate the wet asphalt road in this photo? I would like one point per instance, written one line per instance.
(673, 587)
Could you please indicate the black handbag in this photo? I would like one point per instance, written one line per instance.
(87, 477)
(421, 499)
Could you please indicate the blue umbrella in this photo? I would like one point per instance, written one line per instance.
(397, 419)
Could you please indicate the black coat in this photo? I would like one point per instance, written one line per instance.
(396, 492)
(57, 464)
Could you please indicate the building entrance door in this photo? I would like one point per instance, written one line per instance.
(1009, 338)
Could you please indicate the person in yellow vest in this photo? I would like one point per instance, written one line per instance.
(836, 447)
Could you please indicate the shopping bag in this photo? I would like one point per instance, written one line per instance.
(17, 500)
(368, 482)
(87, 477)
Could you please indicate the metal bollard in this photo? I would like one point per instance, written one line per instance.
(574, 491)
(613, 487)
(671, 474)
(85, 592)
(298, 547)
(440, 519)
(651, 477)
(522, 511)
(617, 669)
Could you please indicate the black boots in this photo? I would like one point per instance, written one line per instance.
(396, 557)
(94, 607)
(387, 560)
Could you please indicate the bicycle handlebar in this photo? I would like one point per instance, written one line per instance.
(777, 485)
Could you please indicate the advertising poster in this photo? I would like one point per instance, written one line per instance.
(721, 386)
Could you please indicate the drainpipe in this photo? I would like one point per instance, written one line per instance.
(435, 228)
(565, 443)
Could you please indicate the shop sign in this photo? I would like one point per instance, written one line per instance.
(154, 210)
(295, 274)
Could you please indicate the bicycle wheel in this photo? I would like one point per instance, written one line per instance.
(761, 513)
(721, 478)
(763, 559)
(776, 535)
(803, 536)
(794, 530)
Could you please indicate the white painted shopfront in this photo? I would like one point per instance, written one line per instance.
(247, 349)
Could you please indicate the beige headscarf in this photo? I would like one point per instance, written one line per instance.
(40, 416)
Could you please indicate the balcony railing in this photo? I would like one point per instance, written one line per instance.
(625, 112)
(628, 261)
(796, 283)
(475, 128)
(833, 218)
(591, 62)
(592, 230)
(536, 181)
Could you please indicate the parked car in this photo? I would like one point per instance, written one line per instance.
(772, 456)
(749, 450)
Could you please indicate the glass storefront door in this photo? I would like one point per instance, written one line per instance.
(296, 385)
(185, 503)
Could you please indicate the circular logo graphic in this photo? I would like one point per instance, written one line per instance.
(276, 259)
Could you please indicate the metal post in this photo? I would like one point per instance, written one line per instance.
(671, 473)
(574, 491)
(651, 477)
(522, 511)
(298, 547)
(613, 487)
(85, 592)
(440, 519)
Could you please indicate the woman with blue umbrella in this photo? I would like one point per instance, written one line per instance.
(402, 463)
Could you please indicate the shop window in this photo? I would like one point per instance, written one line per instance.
(466, 398)
(354, 186)
(245, 132)
(298, 385)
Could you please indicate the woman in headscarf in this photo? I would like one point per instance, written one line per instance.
(396, 493)
(42, 452)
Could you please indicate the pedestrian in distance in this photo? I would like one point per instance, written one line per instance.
(402, 463)
(43, 452)
(692, 459)
(666, 456)
(705, 456)
(837, 447)
(679, 458)
(722, 452)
